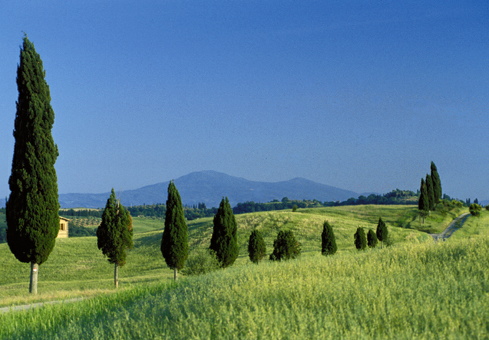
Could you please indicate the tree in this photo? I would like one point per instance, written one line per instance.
(256, 246)
(224, 241)
(360, 239)
(372, 239)
(423, 202)
(435, 177)
(382, 232)
(174, 243)
(32, 207)
(114, 234)
(431, 192)
(328, 241)
(285, 246)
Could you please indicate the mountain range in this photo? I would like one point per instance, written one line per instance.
(210, 187)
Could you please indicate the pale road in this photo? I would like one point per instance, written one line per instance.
(34, 305)
(454, 226)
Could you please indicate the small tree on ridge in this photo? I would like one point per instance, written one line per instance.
(256, 246)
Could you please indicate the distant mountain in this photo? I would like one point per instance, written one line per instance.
(210, 187)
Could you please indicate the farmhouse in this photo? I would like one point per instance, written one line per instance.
(63, 227)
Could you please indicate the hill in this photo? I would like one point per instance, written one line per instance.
(210, 187)
(378, 293)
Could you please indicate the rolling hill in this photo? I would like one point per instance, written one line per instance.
(209, 187)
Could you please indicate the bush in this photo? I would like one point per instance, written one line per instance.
(201, 261)
(285, 246)
(475, 209)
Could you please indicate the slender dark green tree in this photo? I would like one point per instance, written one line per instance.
(431, 193)
(174, 243)
(423, 202)
(285, 246)
(360, 239)
(382, 232)
(328, 240)
(114, 235)
(32, 207)
(372, 239)
(256, 246)
(224, 240)
(435, 177)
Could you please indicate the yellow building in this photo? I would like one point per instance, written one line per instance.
(63, 227)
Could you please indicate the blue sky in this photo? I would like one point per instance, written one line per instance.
(361, 95)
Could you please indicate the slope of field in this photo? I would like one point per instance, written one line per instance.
(77, 268)
(409, 291)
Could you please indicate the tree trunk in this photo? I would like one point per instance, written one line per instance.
(116, 275)
(175, 271)
(33, 281)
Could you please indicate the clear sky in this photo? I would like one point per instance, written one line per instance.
(361, 95)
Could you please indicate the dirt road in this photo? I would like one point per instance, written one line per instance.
(454, 226)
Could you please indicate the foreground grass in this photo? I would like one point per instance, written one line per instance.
(420, 291)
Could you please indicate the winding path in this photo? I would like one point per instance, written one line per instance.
(453, 227)
(37, 304)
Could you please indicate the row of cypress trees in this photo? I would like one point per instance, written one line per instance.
(430, 190)
(286, 247)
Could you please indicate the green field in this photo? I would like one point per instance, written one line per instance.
(413, 289)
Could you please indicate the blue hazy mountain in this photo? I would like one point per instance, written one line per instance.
(210, 187)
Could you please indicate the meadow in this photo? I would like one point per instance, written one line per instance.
(413, 289)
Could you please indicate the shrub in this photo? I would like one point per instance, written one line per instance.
(201, 261)
(475, 209)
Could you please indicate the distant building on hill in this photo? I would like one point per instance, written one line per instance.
(63, 227)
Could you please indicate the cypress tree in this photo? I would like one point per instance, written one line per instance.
(435, 177)
(382, 233)
(431, 193)
(423, 202)
(174, 243)
(360, 239)
(371, 239)
(285, 246)
(224, 241)
(114, 234)
(256, 247)
(328, 244)
(32, 207)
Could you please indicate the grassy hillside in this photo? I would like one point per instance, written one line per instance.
(77, 268)
(409, 291)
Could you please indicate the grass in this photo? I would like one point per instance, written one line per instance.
(287, 291)
(420, 291)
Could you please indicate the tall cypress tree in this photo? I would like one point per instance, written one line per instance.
(328, 241)
(114, 234)
(224, 241)
(435, 177)
(431, 192)
(423, 202)
(381, 232)
(32, 207)
(256, 246)
(174, 243)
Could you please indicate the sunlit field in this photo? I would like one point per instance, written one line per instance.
(415, 288)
